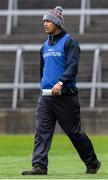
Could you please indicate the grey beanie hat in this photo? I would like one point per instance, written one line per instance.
(55, 16)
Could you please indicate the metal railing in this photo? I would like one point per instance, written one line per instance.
(84, 12)
(19, 83)
(12, 5)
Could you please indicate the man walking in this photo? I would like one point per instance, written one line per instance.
(58, 99)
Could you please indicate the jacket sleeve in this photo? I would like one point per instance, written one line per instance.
(72, 52)
(41, 63)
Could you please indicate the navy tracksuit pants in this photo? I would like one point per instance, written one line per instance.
(66, 110)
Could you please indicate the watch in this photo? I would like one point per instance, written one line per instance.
(60, 83)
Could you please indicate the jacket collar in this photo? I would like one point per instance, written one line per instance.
(54, 39)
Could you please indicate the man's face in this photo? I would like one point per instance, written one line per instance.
(50, 27)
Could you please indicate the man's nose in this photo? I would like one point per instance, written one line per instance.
(45, 23)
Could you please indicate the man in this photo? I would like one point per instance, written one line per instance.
(58, 99)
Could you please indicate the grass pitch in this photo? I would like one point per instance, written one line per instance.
(64, 162)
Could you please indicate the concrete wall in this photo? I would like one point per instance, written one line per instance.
(22, 121)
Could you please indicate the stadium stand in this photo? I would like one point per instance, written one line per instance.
(28, 30)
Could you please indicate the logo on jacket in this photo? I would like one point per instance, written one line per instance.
(52, 52)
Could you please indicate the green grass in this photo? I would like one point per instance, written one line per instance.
(64, 162)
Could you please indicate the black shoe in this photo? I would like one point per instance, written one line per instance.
(94, 168)
(35, 171)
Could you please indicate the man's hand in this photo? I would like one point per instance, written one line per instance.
(56, 89)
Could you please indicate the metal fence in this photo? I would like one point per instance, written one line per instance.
(85, 13)
(20, 85)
